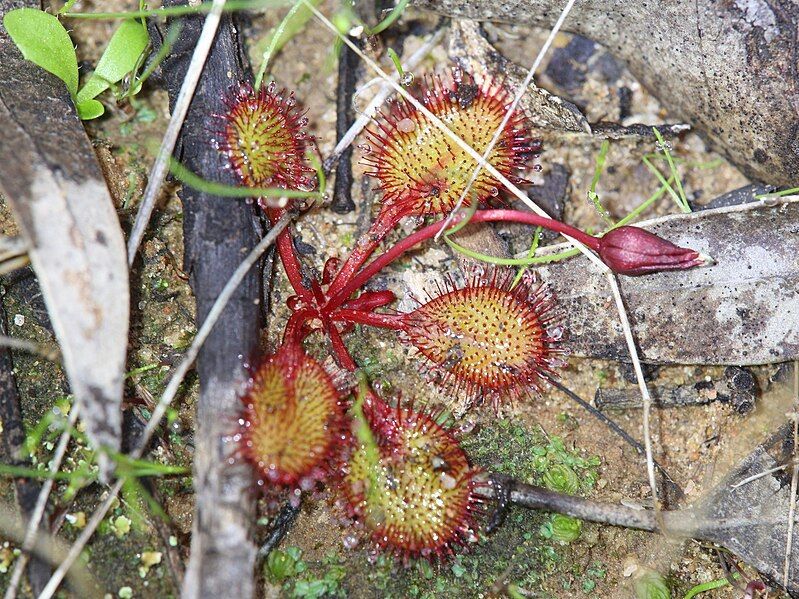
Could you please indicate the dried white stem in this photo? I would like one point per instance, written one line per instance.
(759, 475)
(161, 165)
(645, 396)
(169, 394)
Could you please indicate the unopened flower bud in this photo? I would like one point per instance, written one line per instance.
(634, 251)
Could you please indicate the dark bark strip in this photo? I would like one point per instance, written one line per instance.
(347, 76)
(11, 451)
(218, 234)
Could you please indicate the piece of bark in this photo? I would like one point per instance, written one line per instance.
(50, 177)
(12, 433)
(728, 68)
(218, 234)
(738, 387)
(742, 311)
(472, 52)
(348, 62)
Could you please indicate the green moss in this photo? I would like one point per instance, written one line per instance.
(307, 580)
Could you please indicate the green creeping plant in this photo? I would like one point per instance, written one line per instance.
(43, 40)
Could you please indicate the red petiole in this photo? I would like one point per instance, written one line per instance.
(357, 281)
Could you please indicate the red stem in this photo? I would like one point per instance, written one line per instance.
(293, 332)
(515, 216)
(384, 321)
(343, 356)
(386, 220)
(291, 264)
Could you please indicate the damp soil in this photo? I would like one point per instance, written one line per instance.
(695, 444)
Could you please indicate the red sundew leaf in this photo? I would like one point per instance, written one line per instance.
(492, 340)
(421, 170)
(264, 139)
(292, 421)
(414, 492)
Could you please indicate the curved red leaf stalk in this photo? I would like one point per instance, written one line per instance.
(492, 340)
(421, 172)
(411, 485)
(293, 420)
(264, 139)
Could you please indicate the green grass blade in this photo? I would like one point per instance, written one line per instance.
(185, 176)
(666, 183)
(509, 261)
(645, 204)
(395, 14)
(292, 24)
(530, 253)
(683, 203)
(592, 195)
(777, 194)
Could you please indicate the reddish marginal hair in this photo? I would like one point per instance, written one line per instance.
(263, 137)
(412, 487)
(293, 420)
(489, 338)
(421, 170)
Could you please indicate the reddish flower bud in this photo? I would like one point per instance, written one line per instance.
(634, 251)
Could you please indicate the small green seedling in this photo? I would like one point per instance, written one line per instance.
(43, 40)
(122, 56)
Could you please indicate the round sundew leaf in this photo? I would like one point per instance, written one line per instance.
(415, 493)
(263, 137)
(422, 170)
(292, 419)
(492, 339)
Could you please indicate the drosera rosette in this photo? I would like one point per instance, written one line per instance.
(421, 171)
(490, 339)
(292, 422)
(408, 482)
(264, 139)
